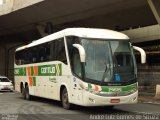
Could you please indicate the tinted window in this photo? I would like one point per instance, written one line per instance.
(59, 51)
(54, 50)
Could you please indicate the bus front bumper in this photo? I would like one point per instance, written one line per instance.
(96, 100)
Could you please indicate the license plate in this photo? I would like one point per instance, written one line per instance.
(115, 101)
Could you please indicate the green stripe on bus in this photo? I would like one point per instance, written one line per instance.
(115, 88)
(34, 81)
(20, 71)
(60, 68)
(89, 86)
(32, 71)
(43, 70)
(104, 88)
(119, 88)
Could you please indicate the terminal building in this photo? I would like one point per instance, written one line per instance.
(23, 21)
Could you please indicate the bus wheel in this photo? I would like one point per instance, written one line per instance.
(65, 100)
(27, 95)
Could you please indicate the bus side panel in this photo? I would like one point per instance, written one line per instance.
(19, 78)
(49, 79)
(62, 78)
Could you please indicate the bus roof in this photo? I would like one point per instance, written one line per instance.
(79, 32)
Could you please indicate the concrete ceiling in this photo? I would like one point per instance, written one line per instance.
(78, 13)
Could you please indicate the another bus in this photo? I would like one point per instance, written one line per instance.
(82, 66)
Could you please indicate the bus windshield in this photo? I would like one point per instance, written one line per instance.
(107, 61)
(98, 59)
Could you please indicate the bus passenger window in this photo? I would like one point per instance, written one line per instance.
(59, 51)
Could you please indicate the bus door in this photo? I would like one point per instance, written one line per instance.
(76, 91)
(76, 69)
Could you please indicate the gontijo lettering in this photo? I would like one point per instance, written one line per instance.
(48, 70)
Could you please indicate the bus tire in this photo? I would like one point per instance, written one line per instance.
(27, 95)
(65, 100)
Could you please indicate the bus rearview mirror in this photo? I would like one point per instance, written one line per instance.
(81, 52)
(142, 52)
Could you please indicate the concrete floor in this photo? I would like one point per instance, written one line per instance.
(12, 105)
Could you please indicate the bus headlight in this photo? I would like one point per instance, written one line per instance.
(93, 91)
(88, 89)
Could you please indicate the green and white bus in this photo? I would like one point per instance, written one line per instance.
(82, 66)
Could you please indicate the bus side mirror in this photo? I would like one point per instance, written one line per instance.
(81, 52)
(142, 52)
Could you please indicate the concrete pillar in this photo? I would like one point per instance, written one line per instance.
(10, 64)
(155, 7)
(10, 60)
(2, 60)
(7, 52)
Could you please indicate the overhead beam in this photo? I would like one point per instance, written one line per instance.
(12, 5)
(106, 9)
(155, 7)
(144, 34)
